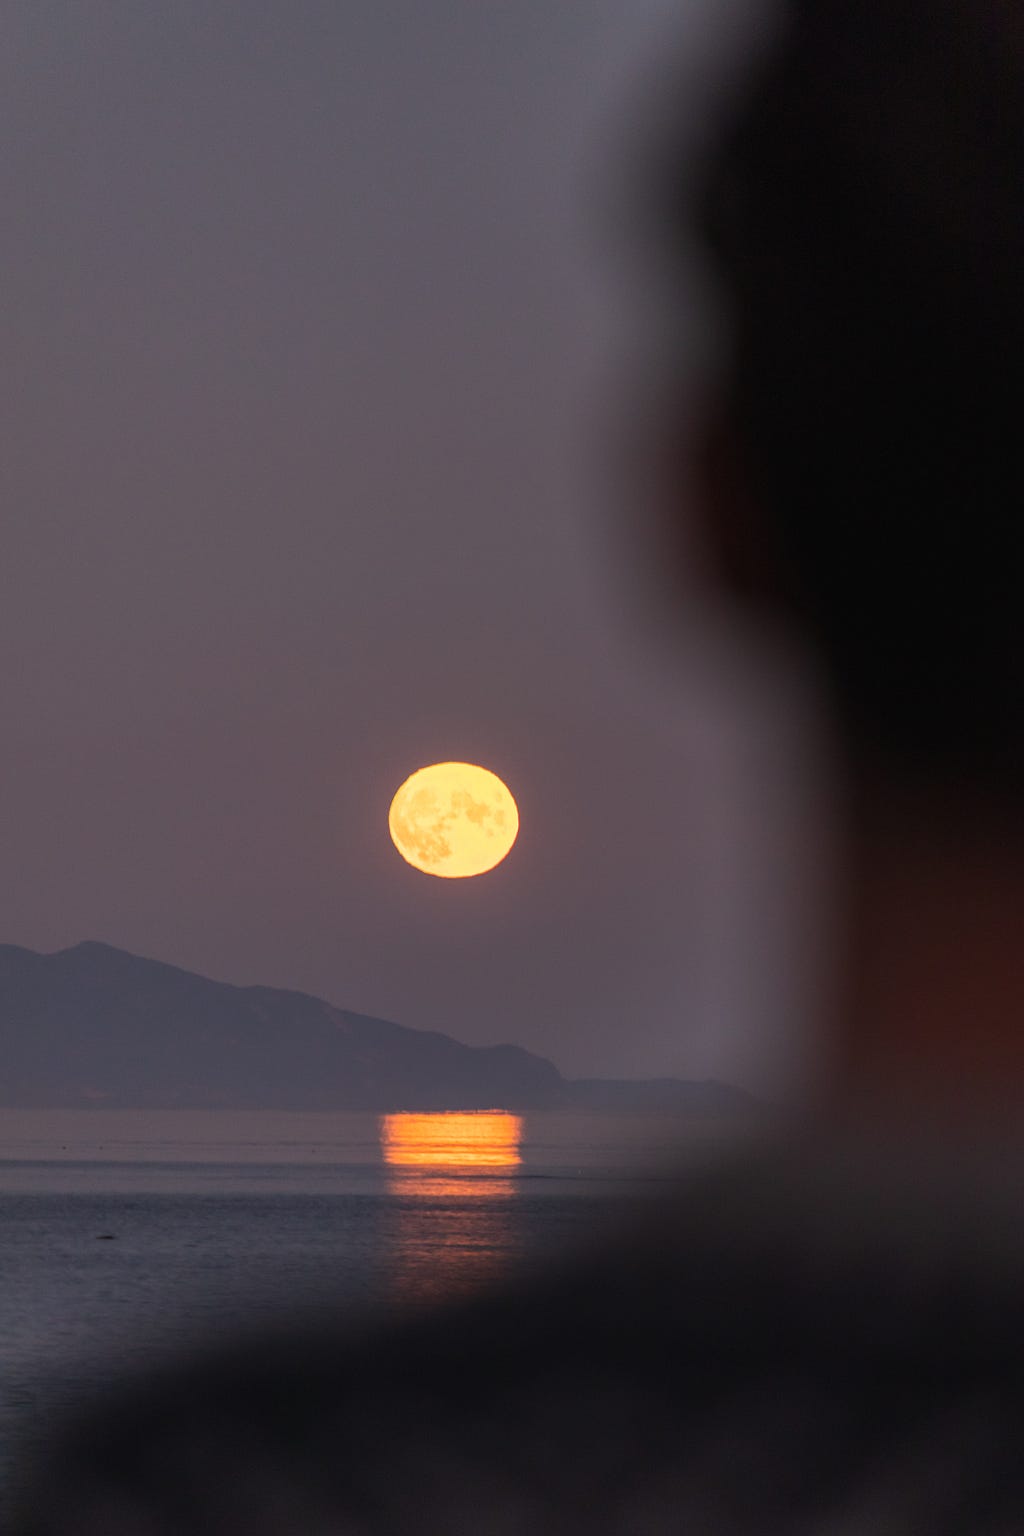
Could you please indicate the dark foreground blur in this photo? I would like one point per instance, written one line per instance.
(812, 1343)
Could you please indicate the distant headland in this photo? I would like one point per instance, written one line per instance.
(95, 1027)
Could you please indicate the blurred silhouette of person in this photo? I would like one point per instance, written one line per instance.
(827, 1334)
(858, 480)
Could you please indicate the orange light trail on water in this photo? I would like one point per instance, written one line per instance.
(460, 1144)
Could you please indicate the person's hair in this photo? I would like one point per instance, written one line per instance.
(865, 212)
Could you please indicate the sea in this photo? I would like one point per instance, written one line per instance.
(128, 1236)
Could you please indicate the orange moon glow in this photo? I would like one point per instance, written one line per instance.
(452, 1155)
(452, 1141)
(453, 819)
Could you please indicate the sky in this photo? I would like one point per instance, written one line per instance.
(314, 336)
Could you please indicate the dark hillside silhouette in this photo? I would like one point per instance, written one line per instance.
(94, 1026)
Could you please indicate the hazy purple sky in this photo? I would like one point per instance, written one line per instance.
(307, 336)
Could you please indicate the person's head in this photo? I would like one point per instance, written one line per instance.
(863, 211)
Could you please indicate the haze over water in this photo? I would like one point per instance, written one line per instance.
(128, 1235)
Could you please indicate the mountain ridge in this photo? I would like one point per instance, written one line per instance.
(96, 1026)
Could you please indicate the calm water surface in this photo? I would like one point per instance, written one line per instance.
(126, 1236)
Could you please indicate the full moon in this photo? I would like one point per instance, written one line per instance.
(453, 819)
